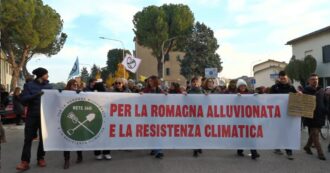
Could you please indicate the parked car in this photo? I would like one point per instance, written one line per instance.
(8, 114)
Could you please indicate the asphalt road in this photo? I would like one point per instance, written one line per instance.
(174, 161)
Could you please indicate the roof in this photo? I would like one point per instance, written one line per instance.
(320, 31)
(269, 60)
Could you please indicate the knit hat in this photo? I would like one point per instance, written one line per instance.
(240, 82)
(39, 72)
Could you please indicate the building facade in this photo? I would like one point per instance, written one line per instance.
(266, 73)
(316, 44)
(5, 71)
(148, 65)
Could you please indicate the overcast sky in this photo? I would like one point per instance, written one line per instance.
(248, 31)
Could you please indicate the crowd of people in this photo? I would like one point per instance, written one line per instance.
(32, 93)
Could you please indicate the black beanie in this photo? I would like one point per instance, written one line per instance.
(39, 72)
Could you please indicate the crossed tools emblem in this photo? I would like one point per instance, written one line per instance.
(89, 118)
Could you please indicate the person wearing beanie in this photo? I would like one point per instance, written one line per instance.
(31, 97)
(283, 87)
(242, 89)
(196, 88)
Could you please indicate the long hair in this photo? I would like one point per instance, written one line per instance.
(17, 91)
(70, 83)
(154, 80)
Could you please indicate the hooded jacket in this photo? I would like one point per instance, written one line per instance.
(31, 96)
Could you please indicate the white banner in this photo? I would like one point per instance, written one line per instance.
(211, 72)
(120, 121)
(131, 63)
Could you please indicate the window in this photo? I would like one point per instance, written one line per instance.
(327, 81)
(168, 71)
(326, 53)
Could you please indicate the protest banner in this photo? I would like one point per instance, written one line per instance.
(121, 121)
(301, 105)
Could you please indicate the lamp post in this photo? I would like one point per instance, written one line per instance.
(122, 44)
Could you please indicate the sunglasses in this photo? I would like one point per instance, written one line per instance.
(118, 83)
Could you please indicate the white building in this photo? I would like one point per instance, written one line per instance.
(316, 44)
(5, 71)
(265, 73)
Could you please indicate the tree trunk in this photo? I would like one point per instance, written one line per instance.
(15, 77)
(25, 71)
(17, 67)
(160, 67)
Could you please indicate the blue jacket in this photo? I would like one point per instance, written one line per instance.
(31, 96)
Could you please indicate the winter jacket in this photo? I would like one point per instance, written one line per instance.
(31, 96)
(282, 89)
(126, 90)
(320, 111)
(4, 100)
(196, 90)
(17, 105)
(150, 90)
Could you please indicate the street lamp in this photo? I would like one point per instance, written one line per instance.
(122, 44)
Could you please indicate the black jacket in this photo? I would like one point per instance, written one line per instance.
(31, 96)
(282, 89)
(320, 111)
(17, 105)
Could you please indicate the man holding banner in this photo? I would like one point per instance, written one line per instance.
(283, 87)
(315, 124)
(31, 96)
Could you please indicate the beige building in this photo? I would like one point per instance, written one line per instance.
(316, 44)
(265, 73)
(5, 71)
(148, 65)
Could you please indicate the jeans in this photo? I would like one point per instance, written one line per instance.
(32, 125)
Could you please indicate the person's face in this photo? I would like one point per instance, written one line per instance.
(74, 86)
(284, 79)
(313, 81)
(195, 83)
(92, 84)
(210, 84)
(152, 83)
(242, 88)
(172, 87)
(45, 77)
(130, 84)
(118, 85)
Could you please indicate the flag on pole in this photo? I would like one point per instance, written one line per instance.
(131, 63)
(75, 69)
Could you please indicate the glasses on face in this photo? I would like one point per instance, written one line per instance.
(75, 84)
(117, 83)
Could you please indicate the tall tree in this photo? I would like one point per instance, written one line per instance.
(84, 75)
(300, 70)
(28, 27)
(95, 70)
(166, 25)
(200, 51)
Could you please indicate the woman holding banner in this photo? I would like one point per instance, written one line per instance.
(196, 89)
(209, 86)
(72, 85)
(120, 85)
(242, 89)
(153, 87)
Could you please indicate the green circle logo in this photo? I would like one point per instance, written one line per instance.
(81, 121)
